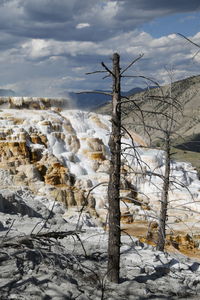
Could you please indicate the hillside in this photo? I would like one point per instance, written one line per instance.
(186, 92)
(186, 121)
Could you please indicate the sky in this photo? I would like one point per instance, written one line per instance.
(47, 46)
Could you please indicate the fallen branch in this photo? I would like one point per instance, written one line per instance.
(27, 240)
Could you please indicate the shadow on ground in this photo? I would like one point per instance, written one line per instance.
(191, 145)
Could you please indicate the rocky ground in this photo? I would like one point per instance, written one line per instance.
(46, 256)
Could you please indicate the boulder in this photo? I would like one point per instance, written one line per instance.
(12, 203)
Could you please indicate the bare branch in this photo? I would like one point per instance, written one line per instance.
(196, 54)
(143, 77)
(13, 221)
(142, 111)
(134, 61)
(45, 223)
(107, 69)
(95, 72)
(189, 40)
(94, 92)
(134, 201)
(106, 76)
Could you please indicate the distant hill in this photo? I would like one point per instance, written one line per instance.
(7, 93)
(92, 101)
(89, 101)
(133, 91)
(186, 92)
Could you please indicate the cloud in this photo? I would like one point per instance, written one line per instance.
(60, 19)
(65, 63)
(46, 46)
(82, 25)
(164, 5)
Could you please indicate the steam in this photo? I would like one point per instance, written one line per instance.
(70, 102)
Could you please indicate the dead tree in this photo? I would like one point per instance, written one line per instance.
(155, 114)
(115, 166)
(164, 195)
(114, 180)
(168, 133)
(115, 174)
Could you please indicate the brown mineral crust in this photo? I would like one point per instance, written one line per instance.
(35, 155)
(14, 148)
(43, 139)
(98, 122)
(42, 169)
(95, 149)
(35, 139)
(45, 123)
(70, 196)
(58, 174)
(56, 127)
(15, 120)
(79, 197)
(98, 155)
(59, 135)
(182, 242)
(126, 218)
(95, 144)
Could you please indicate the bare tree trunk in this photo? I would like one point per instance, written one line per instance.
(114, 181)
(164, 198)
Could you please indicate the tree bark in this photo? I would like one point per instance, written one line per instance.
(164, 198)
(114, 180)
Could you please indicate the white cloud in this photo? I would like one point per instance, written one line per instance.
(46, 40)
(82, 25)
(37, 48)
(158, 53)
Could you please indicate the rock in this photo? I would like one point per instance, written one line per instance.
(14, 148)
(195, 267)
(6, 177)
(12, 203)
(149, 270)
(30, 172)
(57, 174)
(70, 196)
(1, 226)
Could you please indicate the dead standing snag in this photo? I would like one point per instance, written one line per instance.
(114, 179)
